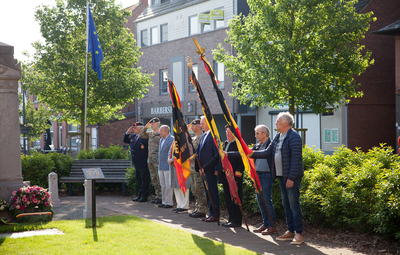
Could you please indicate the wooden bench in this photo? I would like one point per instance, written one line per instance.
(114, 171)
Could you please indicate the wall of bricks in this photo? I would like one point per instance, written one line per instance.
(371, 119)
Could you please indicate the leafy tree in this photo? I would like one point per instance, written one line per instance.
(301, 53)
(56, 75)
(35, 118)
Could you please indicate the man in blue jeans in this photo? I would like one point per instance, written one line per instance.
(287, 165)
(263, 170)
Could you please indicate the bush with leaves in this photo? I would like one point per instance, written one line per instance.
(112, 152)
(36, 168)
(62, 163)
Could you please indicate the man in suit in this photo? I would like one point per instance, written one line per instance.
(139, 154)
(235, 214)
(163, 167)
(206, 151)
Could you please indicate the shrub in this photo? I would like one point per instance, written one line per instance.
(131, 181)
(36, 168)
(112, 152)
(312, 157)
(386, 211)
(342, 157)
(62, 163)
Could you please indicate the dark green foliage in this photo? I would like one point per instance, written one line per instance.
(131, 181)
(112, 152)
(37, 167)
(354, 190)
(62, 163)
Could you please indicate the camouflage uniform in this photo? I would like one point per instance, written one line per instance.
(201, 204)
(154, 142)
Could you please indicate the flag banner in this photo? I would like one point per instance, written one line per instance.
(94, 45)
(244, 150)
(183, 147)
(226, 165)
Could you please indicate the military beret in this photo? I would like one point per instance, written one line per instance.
(154, 120)
(195, 122)
(136, 124)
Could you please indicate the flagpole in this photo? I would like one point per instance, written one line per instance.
(87, 49)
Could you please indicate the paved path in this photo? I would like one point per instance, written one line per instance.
(72, 208)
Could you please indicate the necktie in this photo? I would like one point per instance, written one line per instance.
(202, 142)
(135, 140)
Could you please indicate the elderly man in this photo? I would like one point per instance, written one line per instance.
(163, 167)
(139, 153)
(263, 170)
(154, 141)
(287, 165)
(196, 179)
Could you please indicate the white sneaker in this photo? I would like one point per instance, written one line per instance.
(298, 239)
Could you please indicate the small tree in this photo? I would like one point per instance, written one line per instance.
(302, 53)
(56, 75)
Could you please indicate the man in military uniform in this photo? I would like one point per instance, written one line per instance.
(196, 179)
(153, 137)
(139, 152)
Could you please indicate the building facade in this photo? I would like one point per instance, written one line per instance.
(165, 32)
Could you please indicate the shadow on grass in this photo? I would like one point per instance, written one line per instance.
(208, 246)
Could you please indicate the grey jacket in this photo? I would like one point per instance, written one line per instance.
(163, 153)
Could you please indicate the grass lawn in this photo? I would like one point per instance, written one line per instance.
(113, 235)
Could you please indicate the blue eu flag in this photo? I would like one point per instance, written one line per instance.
(94, 46)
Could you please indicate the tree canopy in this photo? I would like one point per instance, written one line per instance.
(56, 74)
(301, 53)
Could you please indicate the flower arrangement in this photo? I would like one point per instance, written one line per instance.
(3, 205)
(29, 198)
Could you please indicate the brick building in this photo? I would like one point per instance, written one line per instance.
(165, 32)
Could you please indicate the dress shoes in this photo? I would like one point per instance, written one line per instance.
(161, 205)
(142, 199)
(268, 231)
(260, 229)
(175, 210)
(198, 215)
(167, 206)
(211, 219)
(181, 210)
(136, 199)
(153, 201)
(232, 225)
(157, 201)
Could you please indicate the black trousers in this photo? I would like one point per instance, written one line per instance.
(142, 176)
(235, 214)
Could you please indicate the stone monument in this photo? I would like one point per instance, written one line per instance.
(10, 148)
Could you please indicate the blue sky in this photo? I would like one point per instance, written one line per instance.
(18, 26)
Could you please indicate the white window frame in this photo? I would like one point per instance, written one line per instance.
(193, 25)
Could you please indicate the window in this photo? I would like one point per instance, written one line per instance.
(153, 35)
(218, 16)
(193, 25)
(144, 38)
(163, 82)
(219, 73)
(164, 33)
(204, 25)
(94, 138)
(195, 71)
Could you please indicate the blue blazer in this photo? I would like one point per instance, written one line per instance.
(164, 152)
(139, 150)
(207, 152)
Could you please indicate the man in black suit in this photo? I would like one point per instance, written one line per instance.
(139, 154)
(206, 151)
(235, 214)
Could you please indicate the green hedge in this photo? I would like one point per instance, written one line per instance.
(112, 152)
(354, 190)
(37, 167)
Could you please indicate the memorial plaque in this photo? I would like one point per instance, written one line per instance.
(93, 173)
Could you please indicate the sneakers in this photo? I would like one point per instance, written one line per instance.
(298, 239)
(289, 236)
